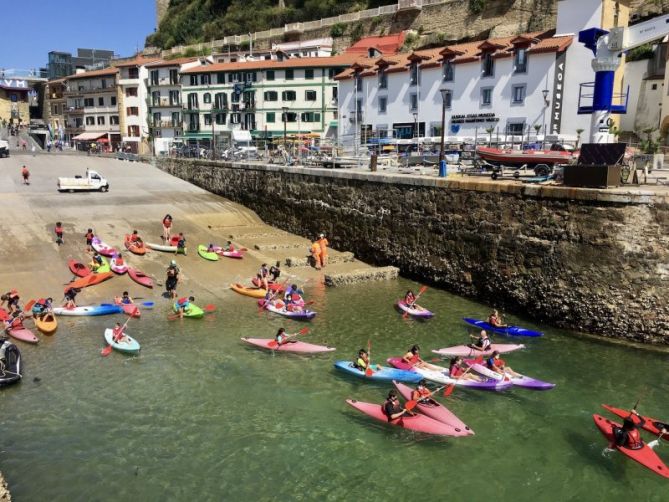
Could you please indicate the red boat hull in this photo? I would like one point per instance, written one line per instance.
(520, 157)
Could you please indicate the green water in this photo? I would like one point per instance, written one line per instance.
(199, 416)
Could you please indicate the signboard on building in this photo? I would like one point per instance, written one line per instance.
(558, 92)
(471, 118)
(11, 83)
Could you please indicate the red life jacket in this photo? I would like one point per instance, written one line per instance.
(414, 359)
(182, 301)
(634, 441)
(418, 394)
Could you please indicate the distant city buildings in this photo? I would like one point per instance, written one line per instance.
(63, 64)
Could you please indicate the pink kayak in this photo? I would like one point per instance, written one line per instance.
(140, 277)
(228, 254)
(23, 334)
(296, 346)
(419, 423)
(103, 248)
(116, 268)
(468, 351)
(130, 309)
(435, 410)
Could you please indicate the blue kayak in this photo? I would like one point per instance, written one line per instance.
(104, 309)
(384, 374)
(508, 330)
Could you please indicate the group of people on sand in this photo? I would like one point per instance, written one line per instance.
(319, 252)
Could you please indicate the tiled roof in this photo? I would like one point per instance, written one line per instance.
(162, 63)
(95, 73)
(324, 62)
(389, 44)
(553, 44)
(136, 61)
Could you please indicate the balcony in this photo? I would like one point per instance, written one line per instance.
(165, 103)
(248, 105)
(161, 82)
(88, 90)
(165, 124)
(74, 110)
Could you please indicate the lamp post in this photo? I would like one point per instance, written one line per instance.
(415, 125)
(444, 94)
(543, 118)
(284, 109)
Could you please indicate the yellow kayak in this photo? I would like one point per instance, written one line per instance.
(252, 292)
(48, 325)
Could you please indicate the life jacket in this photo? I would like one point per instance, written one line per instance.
(59, 230)
(455, 371)
(420, 394)
(360, 363)
(634, 441)
(89, 236)
(182, 302)
(119, 262)
(315, 249)
(414, 359)
(25, 171)
(126, 301)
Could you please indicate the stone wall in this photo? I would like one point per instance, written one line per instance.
(590, 260)
(5, 496)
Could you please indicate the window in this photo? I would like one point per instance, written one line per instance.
(234, 97)
(221, 101)
(133, 72)
(335, 95)
(288, 96)
(290, 74)
(131, 92)
(157, 119)
(250, 76)
(310, 95)
(448, 99)
(132, 111)
(205, 79)
(269, 75)
(101, 121)
(193, 80)
(90, 120)
(382, 132)
(383, 79)
(113, 120)
(133, 131)
(235, 118)
(520, 61)
(413, 74)
(270, 118)
(515, 128)
(113, 100)
(174, 98)
(309, 74)
(486, 96)
(358, 83)
(271, 96)
(310, 117)
(154, 77)
(206, 98)
(332, 72)
(449, 71)
(101, 101)
(220, 118)
(290, 117)
(654, 87)
(220, 78)
(383, 104)
(436, 130)
(192, 101)
(89, 102)
(176, 119)
(174, 77)
(155, 98)
(518, 94)
(207, 119)
(488, 65)
(413, 101)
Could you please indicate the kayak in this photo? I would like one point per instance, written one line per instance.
(381, 374)
(418, 313)
(193, 311)
(118, 269)
(645, 456)
(78, 268)
(296, 346)
(467, 351)
(252, 292)
(134, 247)
(272, 286)
(443, 377)
(104, 268)
(652, 425)
(436, 411)
(47, 325)
(238, 255)
(23, 334)
(89, 280)
(130, 309)
(103, 248)
(207, 255)
(12, 359)
(140, 277)
(301, 315)
(89, 310)
(130, 346)
(419, 423)
(518, 381)
(508, 330)
(169, 248)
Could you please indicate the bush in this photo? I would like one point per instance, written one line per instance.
(644, 51)
(357, 32)
(476, 6)
(337, 30)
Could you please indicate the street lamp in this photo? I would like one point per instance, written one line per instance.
(285, 119)
(415, 125)
(543, 117)
(444, 95)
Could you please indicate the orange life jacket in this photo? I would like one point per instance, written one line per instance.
(634, 441)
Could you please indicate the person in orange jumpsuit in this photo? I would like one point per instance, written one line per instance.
(323, 243)
(316, 254)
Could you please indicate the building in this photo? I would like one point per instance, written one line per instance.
(14, 100)
(240, 101)
(377, 45)
(164, 95)
(133, 107)
(510, 88)
(317, 48)
(63, 64)
(55, 107)
(91, 114)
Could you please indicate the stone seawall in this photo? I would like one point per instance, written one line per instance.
(5, 496)
(590, 260)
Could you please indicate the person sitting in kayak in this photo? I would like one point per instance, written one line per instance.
(15, 321)
(263, 275)
(70, 296)
(42, 307)
(495, 320)
(275, 271)
(628, 436)
(126, 299)
(135, 237)
(409, 299)
(282, 338)
(482, 342)
(181, 243)
(422, 394)
(229, 247)
(118, 259)
(392, 408)
(211, 248)
(457, 370)
(412, 357)
(497, 364)
(118, 335)
(362, 361)
(183, 304)
(96, 262)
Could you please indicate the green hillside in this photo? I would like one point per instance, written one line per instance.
(193, 21)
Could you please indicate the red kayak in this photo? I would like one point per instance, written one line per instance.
(645, 456)
(293, 346)
(23, 334)
(435, 410)
(652, 425)
(78, 268)
(419, 423)
(272, 286)
(140, 277)
(89, 280)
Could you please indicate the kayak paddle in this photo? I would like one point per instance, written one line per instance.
(273, 344)
(410, 405)
(29, 305)
(107, 350)
(656, 442)
(369, 372)
(450, 388)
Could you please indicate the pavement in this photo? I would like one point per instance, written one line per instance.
(139, 197)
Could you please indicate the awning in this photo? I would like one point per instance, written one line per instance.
(241, 136)
(89, 136)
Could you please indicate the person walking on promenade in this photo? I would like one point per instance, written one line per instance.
(167, 225)
(25, 172)
(323, 243)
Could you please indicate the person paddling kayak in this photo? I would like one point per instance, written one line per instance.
(392, 407)
(422, 394)
(183, 304)
(282, 338)
(496, 320)
(119, 336)
(125, 299)
(482, 342)
(457, 370)
(362, 361)
(412, 357)
(497, 364)
(628, 435)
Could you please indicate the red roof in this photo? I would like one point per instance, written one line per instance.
(324, 62)
(95, 73)
(389, 44)
(171, 62)
(136, 61)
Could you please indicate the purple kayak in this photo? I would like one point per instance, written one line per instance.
(417, 311)
(518, 381)
(468, 351)
(300, 315)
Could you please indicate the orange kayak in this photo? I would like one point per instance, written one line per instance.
(134, 247)
(90, 280)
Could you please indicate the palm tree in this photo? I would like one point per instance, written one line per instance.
(490, 130)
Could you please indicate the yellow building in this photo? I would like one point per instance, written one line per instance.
(14, 103)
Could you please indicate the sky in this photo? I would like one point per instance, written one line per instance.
(30, 30)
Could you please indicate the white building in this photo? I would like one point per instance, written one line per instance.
(315, 48)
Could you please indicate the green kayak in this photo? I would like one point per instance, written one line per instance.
(202, 251)
(192, 311)
(104, 267)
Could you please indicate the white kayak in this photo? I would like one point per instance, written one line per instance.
(129, 345)
(519, 380)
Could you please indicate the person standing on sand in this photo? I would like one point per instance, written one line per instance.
(59, 233)
(323, 243)
(26, 175)
(167, 225)
(172, 279)
(89, 240)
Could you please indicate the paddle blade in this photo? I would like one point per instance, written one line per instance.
(410, 405)
(148, 305)
(303, 331)
(369, 372)
(106, 351)
(28, 306)
(422, 290)
(209, 308)
(449, 390)
(653, 443)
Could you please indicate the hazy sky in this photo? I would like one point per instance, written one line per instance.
(30, 29)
